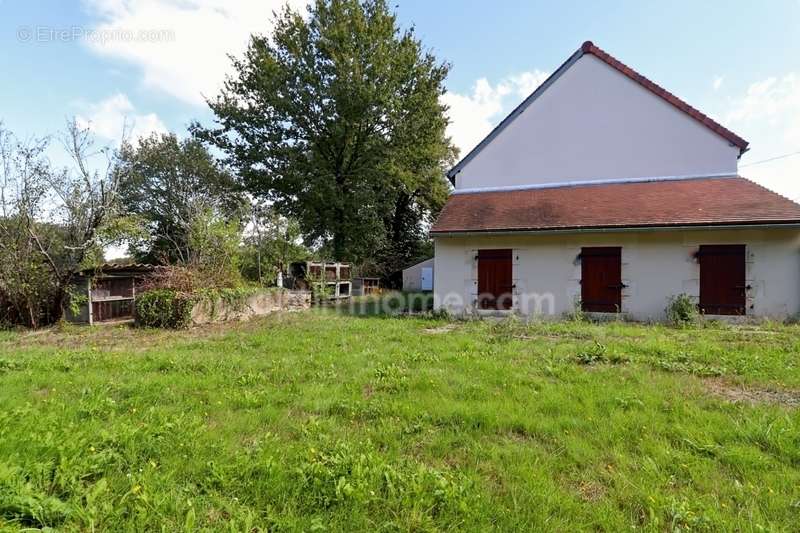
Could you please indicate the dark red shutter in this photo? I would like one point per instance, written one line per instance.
(495, 282)
(601, 279)
(723, 288)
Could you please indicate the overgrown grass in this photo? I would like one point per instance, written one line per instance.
(317, 421)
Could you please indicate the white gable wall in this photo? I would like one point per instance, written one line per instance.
(594, 122)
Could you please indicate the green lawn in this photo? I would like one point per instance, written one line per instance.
(316, 421)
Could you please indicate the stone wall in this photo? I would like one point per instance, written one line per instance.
(259, 304)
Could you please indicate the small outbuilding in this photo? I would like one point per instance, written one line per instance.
(419, 277)
(106, 293)
(363, 286)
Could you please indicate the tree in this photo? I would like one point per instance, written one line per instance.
(24, 276)
(213, 245)
(271, 245)
(170, 185)
(53, 221)
(336, 119)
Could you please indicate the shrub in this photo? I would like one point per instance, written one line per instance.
(164, 308)
(681, 310)
(175, 278)
(419, 302)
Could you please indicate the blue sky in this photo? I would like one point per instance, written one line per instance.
(149, 62)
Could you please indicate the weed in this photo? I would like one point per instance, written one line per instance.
(599, 353)
(342, 473)
(683, 518)
(391, 378)
(577, 314)
(22, 504)
(682, 311)
(505, 329)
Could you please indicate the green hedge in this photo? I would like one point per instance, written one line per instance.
(164, 308)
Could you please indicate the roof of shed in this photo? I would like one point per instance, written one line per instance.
(119, 267)
(686, 202)
(590, 48)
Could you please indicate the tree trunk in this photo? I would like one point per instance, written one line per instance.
(338, 244)
(339, 237)
(58, 304)
(401, 209)
(32, 315)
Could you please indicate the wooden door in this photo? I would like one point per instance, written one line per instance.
(495, 283)
(601, 279)
(723, 290)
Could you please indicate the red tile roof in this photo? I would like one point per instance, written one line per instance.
(589, 48)
(687, 202)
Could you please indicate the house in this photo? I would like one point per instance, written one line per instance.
(605, 191)
(106, 293)
(419, 277)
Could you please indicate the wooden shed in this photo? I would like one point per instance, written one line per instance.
(106, 293)
(366, 286)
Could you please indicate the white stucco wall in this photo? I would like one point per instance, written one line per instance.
(593, 122)
(412, 276)
(655, 266)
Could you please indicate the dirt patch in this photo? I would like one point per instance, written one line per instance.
(752, 395)
(591, 491)
(368, 391)
(440, 330)
(42, 393)
(128, 338)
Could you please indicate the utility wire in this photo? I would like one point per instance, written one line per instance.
(770, 159)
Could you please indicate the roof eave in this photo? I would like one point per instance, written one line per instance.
(756, 224)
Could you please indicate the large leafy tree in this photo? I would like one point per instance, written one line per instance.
(336, 120)
(168, 185)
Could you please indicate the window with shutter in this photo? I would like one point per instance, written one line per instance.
(495, 283)
(723, 290)
(601, 279)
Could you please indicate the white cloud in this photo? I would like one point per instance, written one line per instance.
(181, 46)
(472, 116)
(768, 115)
(717, 83)
(768, 99)
(115, 116)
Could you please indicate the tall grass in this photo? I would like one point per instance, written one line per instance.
(318, 421)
